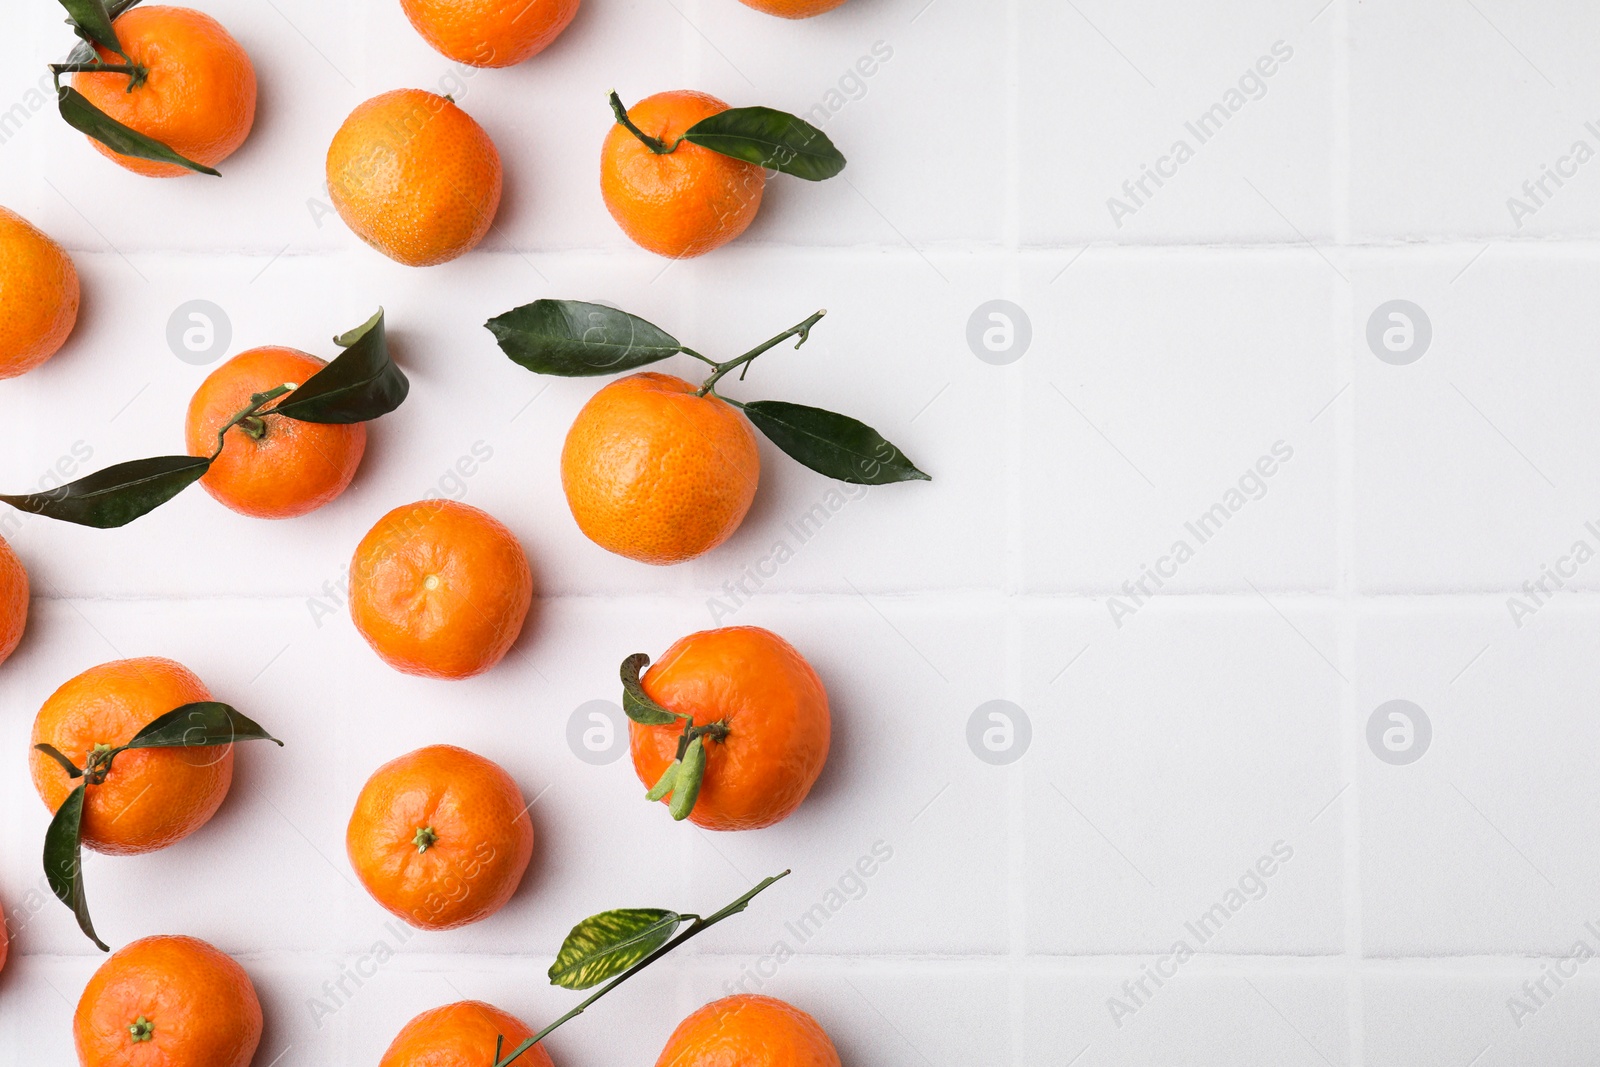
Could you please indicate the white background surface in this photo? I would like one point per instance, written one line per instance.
(1227, 314)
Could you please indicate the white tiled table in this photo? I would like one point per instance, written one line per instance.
(1227, 716)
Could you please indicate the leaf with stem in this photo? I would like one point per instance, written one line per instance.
(84, 117)
(832, 444)
(575, 339)
(200, 724)
(362, 384)
(768, 138)
(84, 51)
(117, 495)
(697, 925)
(547, 337)
(763, 136)
(686, 783)
(635, 701)
(607, 944)
(91, 20)
(63, 861)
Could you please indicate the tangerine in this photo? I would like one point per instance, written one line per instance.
(440, 837)
(440, 589)
(683, 202)
(198, 96)
(14, 595)
(415, 177)
(152, 797)
(270, 467)
(489, 33)
(774, 713)
(749, 1030)
(168, 1002)
(656, 473)
(39, 290)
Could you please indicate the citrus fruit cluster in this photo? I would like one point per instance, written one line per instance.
(729, 729)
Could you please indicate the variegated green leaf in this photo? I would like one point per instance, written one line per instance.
(607, 944)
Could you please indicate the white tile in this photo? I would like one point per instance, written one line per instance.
(1163, 124)
(1494, 97)
(1195, 1016)
(1469, 461)
(1188, 761)
(1166, 399)
(1470, 849)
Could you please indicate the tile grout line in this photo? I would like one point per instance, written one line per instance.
(1341, 164)
(1016, 784)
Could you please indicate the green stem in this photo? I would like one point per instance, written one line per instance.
(801, 330)
(703, 359)
(655, 144)
(257, 402)
(137, 74)
(698, 926)
(717, 731)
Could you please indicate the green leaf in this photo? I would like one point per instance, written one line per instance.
(574, 339)
(686, 786)
(207, 722)
(72, 769)
(635, 701)
(832, 444)
(117, 495)
(665, 783)
(776, 140)
(63, 862)
(86, 118)
(607, 944)
(361, 385)
(84, 51)
(93, 21)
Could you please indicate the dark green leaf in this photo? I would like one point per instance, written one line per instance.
(63, 862)
(576, 340)
(832, 444)
(117, 495)
(84, 52)
(635, 701)
(86, 118)
(609, 943)
(72, 769)
(686, 786)
(772, 139)
(207, 722)
(361, 385)
(94, 21)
